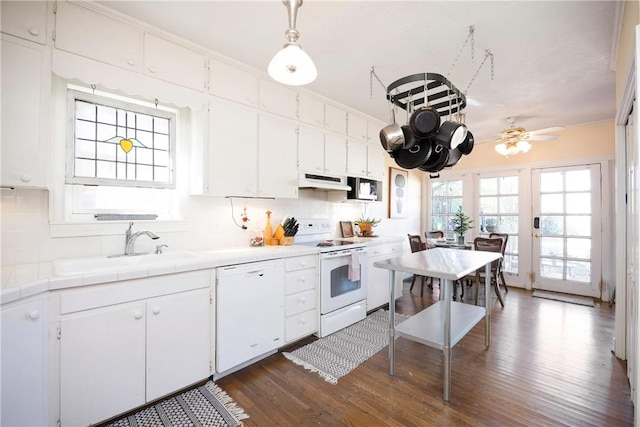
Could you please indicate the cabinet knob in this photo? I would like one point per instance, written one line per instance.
(155, 310)
(302, 321)
(302, 300)
(152, 70)
(137, 315)
(131, 62)
(25, 178)
(34, 31)
(33, 315)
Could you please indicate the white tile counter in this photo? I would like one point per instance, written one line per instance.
(24, 280)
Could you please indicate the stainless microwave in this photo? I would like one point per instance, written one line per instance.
(364, 189)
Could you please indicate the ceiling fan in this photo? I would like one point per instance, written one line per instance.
(516, 139)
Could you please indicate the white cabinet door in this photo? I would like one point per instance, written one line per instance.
(310, 150)
(25, 19)
(102, 363)
(335, 155)
(335, 119)
(23, 374)
(178, 341)
(232, 83)
(277, 158)
(356, 127)
(278, 99)
(232, 151)
(375, 162)
(356, 158)
(24, 106)
(173, 63)
(91, 34)
(310, 110)
(378, 278)
(373, 133)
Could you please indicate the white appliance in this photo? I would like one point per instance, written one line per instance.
(249, 312)
(343, 275)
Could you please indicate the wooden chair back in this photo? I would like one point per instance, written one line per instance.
(434, 234)
(489, 245)
(504, 237)
(415, 242)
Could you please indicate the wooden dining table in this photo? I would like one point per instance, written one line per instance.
(443, 324)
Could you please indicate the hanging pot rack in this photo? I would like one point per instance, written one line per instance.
(439, 92)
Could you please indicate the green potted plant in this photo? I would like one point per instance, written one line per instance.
(461, 223)
(366, 225)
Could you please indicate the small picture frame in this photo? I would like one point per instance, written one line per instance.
(347, 228)
(398, 181)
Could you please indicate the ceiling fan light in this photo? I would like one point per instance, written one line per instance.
(292, 66)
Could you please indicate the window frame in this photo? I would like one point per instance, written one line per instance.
(70, 179)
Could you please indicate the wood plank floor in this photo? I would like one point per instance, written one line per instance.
(550, 364)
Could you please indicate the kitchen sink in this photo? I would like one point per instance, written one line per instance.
(68, 267)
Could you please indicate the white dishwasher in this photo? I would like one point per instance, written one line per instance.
(249, 312)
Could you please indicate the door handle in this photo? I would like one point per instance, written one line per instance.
(537, 235)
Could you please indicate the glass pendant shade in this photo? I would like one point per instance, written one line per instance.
(292, 66)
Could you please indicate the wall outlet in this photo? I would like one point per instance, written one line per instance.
(215, 226)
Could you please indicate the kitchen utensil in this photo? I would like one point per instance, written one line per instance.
(454, 157)
(391, 136)
(467, 144)
(436, 161)
(425, 121)
(416, 155)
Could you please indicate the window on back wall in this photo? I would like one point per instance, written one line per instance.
(117, 143)
(446, 197)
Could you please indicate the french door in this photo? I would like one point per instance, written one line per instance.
(566, 230)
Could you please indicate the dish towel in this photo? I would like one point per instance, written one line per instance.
(354, 266)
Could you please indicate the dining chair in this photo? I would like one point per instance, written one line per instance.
(489, 245)
(416, 245)
(430, 235)
(505, 238)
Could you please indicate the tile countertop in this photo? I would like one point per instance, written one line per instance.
(24, 280)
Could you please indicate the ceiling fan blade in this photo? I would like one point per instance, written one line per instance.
(547, 130)
(542, 137)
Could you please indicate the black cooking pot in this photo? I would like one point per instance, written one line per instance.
(411, 158)
(410, 139)
(424, 122)
(467, 144)
(454, 157)
(437, 160)
(451, 134)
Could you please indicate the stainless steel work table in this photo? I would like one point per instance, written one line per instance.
(444, 323)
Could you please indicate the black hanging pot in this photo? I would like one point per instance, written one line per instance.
(454, 157)
(451, 134)
(437, 160)
(467, 145)
(425, 121)
(410, 139)
(411, 158)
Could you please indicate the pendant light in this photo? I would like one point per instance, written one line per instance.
(292, 66)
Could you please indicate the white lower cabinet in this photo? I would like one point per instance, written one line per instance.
(301, 297)
(121, 355)
(378, 278)
(23, 370)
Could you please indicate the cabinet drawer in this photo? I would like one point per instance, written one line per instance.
(394, 249)
(301, 262)
(297, 303)
(299, 281)
(301, 325)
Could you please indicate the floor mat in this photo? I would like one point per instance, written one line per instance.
(573, 299)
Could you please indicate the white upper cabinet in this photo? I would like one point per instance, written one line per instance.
(375, 162)
(335, 155)
(171, 62)
(233, 83)
(232, 159)
(356, 158)
(356, 127)
(25, 19)
(278, 99)
(25, 90)
(84, 32)
(277, 160)
(310, 150)
(335, 119)
(310, 110)
(373, 132)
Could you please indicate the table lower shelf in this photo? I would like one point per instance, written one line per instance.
(427, 327)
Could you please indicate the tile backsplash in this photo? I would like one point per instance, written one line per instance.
(209, 224)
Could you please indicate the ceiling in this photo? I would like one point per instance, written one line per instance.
(552, 59)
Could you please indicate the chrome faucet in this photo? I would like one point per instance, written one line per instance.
(131, 239)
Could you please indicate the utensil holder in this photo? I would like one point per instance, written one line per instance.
(288, 240)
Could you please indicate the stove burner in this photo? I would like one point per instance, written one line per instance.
(325, 244)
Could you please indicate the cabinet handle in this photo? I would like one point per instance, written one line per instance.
(302, 321)
(302, 300)
(152, 70)
(25, 178)
(33, 315)
(137, 315)
(155, 310)
(303, 265)
(34, 31)
(301, 280)
(131, 62)
(253, 345)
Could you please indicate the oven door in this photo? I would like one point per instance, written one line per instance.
(339, 288)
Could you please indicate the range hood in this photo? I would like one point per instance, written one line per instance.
(322, 182)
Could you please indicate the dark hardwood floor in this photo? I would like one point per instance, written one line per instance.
(550, 364)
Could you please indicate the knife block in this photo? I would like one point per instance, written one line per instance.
(288, 240)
